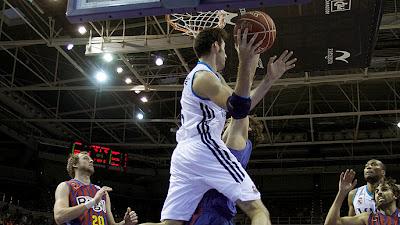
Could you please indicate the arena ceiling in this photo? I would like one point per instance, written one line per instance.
(49, 95)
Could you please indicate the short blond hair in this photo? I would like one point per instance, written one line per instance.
(73, 159)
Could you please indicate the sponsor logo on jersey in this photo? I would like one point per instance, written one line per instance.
(75, 186)
(101, 206)
(360, 200)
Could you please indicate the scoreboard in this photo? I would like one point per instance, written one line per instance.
(101, 155)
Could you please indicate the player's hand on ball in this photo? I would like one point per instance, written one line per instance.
(100, 193)
(246, 49)
(130, 217)
(347, 181)
(277, 67)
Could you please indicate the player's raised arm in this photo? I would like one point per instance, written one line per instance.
(346, 184)
(207, 85)
(275, 69)
(236, 133)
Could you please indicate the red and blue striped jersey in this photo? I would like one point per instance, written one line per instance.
(382, 219)
(80, 193)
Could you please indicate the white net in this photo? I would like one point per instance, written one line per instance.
(192, 24)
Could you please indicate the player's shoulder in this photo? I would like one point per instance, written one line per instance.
(361, 188)
(63, 186)
(352, 194)
(205, 75)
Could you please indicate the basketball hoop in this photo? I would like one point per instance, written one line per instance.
(192, 24)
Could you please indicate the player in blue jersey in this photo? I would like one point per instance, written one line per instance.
(386, 196)
(79, 202)
(239, 136)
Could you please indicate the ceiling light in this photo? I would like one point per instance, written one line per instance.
(101, 76)
(108, 57)
(144, 99)
(70, 47)
(128, 80)
(159, 61)
(140, 116)
(120, 70)
(82, 30)
(398, 124)
(137, 92)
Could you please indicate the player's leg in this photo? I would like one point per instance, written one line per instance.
(186, 186)
(256, 210)
(236, 185)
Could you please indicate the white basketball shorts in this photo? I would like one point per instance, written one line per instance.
(200, 164)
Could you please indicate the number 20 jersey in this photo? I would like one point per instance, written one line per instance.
(80, 193)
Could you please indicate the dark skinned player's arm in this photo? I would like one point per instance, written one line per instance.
(350, 198)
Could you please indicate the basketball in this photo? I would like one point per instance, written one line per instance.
(260, 23)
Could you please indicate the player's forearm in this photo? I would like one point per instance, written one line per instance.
(246, 71)
(243, 80)
(69, 213)
(260, 91)
(333, 217)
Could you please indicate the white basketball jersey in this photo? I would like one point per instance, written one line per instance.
(363, 200)
(199, 115)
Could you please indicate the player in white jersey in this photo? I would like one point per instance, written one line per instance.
(201, 161)
(362, 199)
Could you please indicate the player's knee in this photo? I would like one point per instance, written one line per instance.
(172, 222)
(254, 208)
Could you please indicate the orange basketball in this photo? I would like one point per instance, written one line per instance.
(261, 23)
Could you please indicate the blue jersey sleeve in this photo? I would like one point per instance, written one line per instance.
(243, 156)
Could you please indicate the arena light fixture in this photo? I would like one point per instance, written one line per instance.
(120, 70)
(137, 92)
(159, 61)
(101, 76)
(398, 124)
(82, 30)
(128, 80)
(144, 99)
(140, 116)
(70, 47)
(108, 57)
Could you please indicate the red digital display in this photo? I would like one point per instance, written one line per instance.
(102, 155)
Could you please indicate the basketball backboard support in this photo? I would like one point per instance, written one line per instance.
(79, 11)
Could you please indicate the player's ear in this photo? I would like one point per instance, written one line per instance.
(216, 46)
(75, 165)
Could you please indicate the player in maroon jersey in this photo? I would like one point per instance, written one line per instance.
(79, 202)
(386, 197)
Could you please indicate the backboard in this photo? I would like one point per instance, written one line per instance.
(94, 10)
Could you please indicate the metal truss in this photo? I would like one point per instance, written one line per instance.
(47, 41)
(305, 111)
